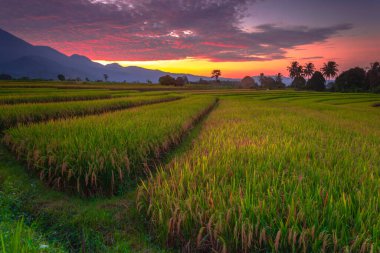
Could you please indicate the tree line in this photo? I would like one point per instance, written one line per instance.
(353, 80)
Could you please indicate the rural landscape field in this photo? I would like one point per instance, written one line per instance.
(226, 170)
(194, 126)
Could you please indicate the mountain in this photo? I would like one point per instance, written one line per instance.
(19, 58)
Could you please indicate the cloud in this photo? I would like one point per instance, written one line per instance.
(155, 29)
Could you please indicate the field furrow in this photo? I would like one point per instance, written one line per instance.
(101, 154)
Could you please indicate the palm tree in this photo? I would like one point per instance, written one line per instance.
(295, 69)
(308, 70)
(330, 70)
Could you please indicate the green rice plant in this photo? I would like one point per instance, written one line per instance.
(99, 154)
(11, 115)
(267, 176)
(54, 97)
(16, 237)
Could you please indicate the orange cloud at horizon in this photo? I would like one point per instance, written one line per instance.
(346, 51)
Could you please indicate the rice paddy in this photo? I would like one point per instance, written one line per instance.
(11, 115)
(96, 154)
(262, 171)
(272, 177)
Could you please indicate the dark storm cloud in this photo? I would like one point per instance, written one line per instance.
(155, 29)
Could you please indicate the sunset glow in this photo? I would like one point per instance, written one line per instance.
(244, 37)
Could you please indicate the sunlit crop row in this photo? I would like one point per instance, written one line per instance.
(11, 115)
(272, 176)
(100, 154)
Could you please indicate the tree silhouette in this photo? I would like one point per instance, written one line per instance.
(316, 82)
(330, 69)
(215, 74)
(61, 77)
(279, 82)
(373, 77)
(308, 70)
(105, 77)
(295, 69)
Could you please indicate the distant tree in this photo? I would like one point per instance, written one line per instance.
(167, 80)
(261, 78)
(279, 82)
(179, 81)
(148, 81)
(78, 79)
(105, 77)
(5, 77)
(87, 79)
(317, 82)
(61, 77)
(308, 70)
(216, 73)
(299, 83)
(267, 82)
(373, 77)
(352, 80)
(248, 83)
(186, 79)
(295, 69)
(330, 70)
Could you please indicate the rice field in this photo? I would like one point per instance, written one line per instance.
(12, 115)
(272, 176)
(96, 154)
(218, 170)
(53, 97)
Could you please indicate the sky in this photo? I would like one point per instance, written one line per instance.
(240, 37)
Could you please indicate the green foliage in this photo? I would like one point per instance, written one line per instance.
(56, 97)
(76, 156)
(297, 176)
(11, 115)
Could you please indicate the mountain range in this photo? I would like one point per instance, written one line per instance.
(19, 58)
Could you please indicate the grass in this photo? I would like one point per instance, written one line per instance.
(273, 176)
(11, 115)
(77, 224)
(16, 236)
(64, 96)
(98, 154)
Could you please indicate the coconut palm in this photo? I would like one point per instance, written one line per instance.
(295, 69)
(330, 69)
(308, 70)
